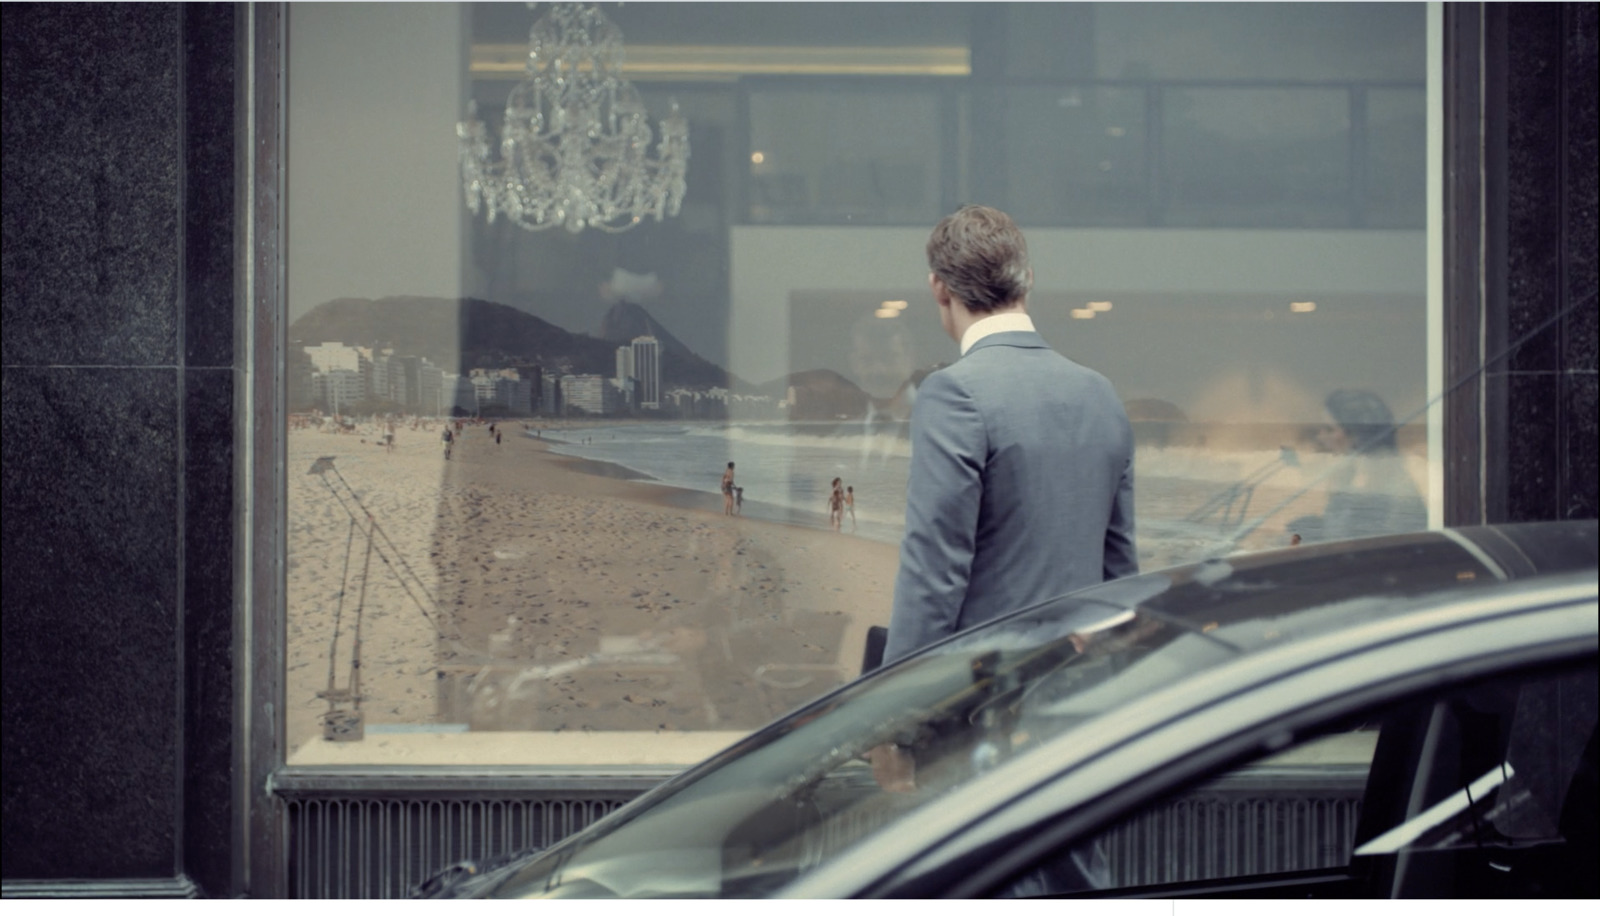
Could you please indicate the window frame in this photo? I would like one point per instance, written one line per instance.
(1472, 248)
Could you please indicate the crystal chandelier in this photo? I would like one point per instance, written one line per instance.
(575, 147)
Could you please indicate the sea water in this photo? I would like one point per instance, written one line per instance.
(1191, 502)
(786, 469)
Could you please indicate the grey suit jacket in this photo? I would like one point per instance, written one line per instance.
(1021, 489)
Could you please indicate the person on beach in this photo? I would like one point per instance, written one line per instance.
(449, 439)
(727, 490)
(1021, 479)
(738, 500)
(850, 506)
(836, 505)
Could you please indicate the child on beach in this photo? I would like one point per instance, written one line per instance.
(727, 490)
(850, 506)
(836, 505)
(738, 500)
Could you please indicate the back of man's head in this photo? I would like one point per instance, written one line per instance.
(982, 258)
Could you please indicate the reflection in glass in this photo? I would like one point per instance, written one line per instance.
(1396, 152)
(870, 156)
(1371, 492)
(1077, 155)
(1256, 156)
(587, 601)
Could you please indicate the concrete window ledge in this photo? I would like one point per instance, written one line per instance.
(105, 888)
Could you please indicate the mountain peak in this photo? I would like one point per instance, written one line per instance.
(462, 334)
(627, 320)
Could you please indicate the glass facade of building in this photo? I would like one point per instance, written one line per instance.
(1226, 210)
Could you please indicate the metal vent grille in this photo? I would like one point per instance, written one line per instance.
(377, 847)
(1228, 836)
(375, 844)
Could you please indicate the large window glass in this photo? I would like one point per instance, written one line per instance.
(1224, 208)
(1256, 156)
(835, 157)
(1082, 154)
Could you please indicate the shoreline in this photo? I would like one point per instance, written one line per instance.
(679, 497)
(563, 595)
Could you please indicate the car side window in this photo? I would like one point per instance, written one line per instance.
(1494, 794)
(1487, 790)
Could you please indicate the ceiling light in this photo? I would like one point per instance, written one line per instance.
(1083, 313)
(1101, 306)
(887, 313)
(1302, 307)
(758, 157)
(575, 147)
(896, 304)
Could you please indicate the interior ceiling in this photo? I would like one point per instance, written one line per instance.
(746, 24)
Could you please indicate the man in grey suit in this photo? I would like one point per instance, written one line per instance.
(1021, 483)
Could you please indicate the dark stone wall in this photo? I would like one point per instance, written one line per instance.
(118, 439)
(1542, 151)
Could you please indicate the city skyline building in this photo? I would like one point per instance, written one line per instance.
(625, 363)
(647, 370)
(593, 394)
(333, 354)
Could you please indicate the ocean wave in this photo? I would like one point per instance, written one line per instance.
(822, 439)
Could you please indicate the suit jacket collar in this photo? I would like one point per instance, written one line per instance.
(1024, 339)
(998, 322)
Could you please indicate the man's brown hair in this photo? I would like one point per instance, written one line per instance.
(982, 258)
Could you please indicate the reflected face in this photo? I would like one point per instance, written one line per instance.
(1331, 438)
(880, 354)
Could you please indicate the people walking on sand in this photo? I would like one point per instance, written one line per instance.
(850, 506)
(727, 490)
(836, 505)
(449, 439)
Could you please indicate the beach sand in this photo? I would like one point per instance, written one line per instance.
(560, 613)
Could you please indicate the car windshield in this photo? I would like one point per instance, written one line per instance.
(801, 791)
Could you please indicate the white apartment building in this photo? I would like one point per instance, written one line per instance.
(456, 391)
(625, 367)
(430, 391)
(331, 355)
(589, 393)
(337, 390)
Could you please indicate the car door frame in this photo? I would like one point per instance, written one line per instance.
(998, 826)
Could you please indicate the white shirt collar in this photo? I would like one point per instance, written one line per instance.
(994, 324)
